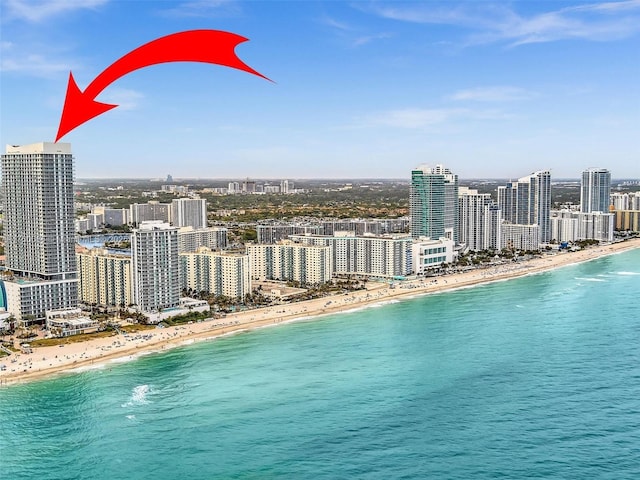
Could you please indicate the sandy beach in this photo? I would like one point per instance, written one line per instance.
(47, 361)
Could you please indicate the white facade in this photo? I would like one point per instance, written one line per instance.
(479, 220)
(528, 202)
(39, 229)
(564, 226)
(308, 264)
(155, 266)
(427, 254)
(626, 201)
(595, 226)
(595, 190)
(379, 256)
(189, 239)
(569, 226)
(189, 212)
(214, 272)
(520, 237)
(28, 300)
(71, 321)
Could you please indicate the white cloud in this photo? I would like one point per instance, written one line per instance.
(493, 94)
(352, 35)
(489, 23)
(33, 64)
(370, 38)
(125, 98)
(420, 118)
(204, 8)
(39, 10)
(333, 23)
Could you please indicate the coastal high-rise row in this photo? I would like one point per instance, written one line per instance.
(595, 190)
(39, 231)
(433, 203)
(528, 202)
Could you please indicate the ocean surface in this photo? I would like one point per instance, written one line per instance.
(537, 377)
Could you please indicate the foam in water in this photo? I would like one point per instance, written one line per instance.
(138, 396)
(628, 273)
(590, 279)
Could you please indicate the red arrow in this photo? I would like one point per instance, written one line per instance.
(208, 46)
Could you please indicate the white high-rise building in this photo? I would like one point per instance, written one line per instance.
(155, 266)
(595, 226)
(189, 212)
(190, 239)
(309, 264)
(39, 230)
(595, 190)
(380, 256)
(150, 211)
(286, 186)
(219, 273)
(517, 236)
(528, 202)
(626, 201)
(564, 226)
(478, 223)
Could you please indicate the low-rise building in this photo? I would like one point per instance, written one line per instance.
(29, 299)
(427, 254)
(70, 321)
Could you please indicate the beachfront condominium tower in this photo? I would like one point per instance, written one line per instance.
(528, 202)
(595, 190)
(433, 203)
(39, 230)
(479, 225)
(155, 266)
(39, 233)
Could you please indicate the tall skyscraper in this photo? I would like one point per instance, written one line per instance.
(39, 234)
(528, 202)
(189, 212)
(479, 226)
(155, 266)
(433, 203)
(39, 231)
(595, 190)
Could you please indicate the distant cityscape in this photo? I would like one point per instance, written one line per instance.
(156, 260)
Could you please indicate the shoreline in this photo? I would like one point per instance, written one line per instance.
(45, 362)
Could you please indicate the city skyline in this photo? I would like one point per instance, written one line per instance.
(364, 90)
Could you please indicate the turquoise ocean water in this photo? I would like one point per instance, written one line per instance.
(537, 377)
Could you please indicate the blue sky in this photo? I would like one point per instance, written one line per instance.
(362, 89)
